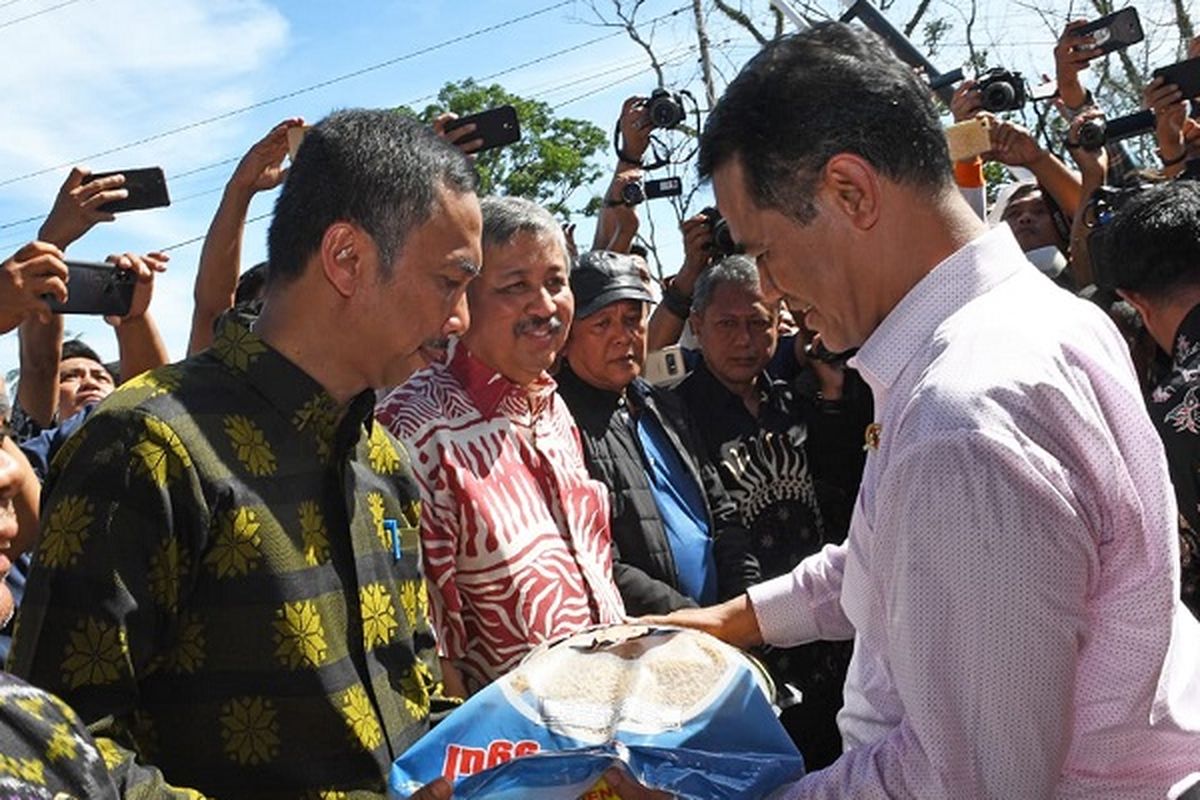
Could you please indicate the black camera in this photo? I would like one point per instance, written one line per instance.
(664, 109)
(637, 192)
(1095, 133)
(722, 240)
(1001, 90)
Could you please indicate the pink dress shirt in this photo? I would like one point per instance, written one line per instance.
(1011, 574)
(515, 541)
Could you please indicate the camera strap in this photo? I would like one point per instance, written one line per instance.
(659, 159)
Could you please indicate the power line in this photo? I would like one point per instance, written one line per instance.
(287, 95)
(35, 13)
(200, 238)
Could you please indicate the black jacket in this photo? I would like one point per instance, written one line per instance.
(643, 566)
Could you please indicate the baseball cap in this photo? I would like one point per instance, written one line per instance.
(602, 277)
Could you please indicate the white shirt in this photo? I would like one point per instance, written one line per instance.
(1011, 574)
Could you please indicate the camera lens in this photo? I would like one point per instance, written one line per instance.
(998, 96)
(632, 193)
(1093, 134)
(663, 110)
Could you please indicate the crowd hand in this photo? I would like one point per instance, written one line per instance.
(1072, 55)
(262, 167)
(144, 269)
(635, 128)
(459, 137)
(76, 209)
(697, 246)
(36, 270)
(1013, 145)
(568, 229)
(1170, 112)
(1093, 164)
(966, 102)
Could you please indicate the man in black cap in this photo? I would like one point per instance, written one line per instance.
(677, 538)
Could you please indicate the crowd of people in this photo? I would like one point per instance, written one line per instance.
(937, 465)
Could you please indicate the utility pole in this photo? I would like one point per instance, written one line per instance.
(710, 90)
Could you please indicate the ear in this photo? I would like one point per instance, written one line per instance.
(1138, 301)
(852, 186)
(343, 252)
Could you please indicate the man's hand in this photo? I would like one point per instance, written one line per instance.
(635, 128)
(262, 166)
(1093, 164)
(966, 102)
(732, 621)
(1013, 145)
(1072, 55)
(35, 270)
(75, 207)
(438, 790)
(1170, 112)
(144, 269)
(697, 252)
(460, 137)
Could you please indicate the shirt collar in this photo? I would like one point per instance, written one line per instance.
(970, 271)
(493, 393)
(1186, 338)
(710, 385)
(296, 394)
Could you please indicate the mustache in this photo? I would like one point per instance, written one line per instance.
(532, 324)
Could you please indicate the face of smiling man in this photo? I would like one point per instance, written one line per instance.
(521, 306)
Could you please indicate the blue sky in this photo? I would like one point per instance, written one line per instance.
(82, 77)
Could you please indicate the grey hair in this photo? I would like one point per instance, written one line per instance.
(738, 270)
(505, 217)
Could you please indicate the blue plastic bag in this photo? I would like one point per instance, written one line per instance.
(678, 709)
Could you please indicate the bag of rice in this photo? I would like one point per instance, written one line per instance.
(678, 709)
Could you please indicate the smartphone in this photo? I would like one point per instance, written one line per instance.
(496, 127)
(1114, 31)
(1185, 75)
(969, 138)
(147, 188)
(96, 289)
(664, 367)
(295, 135)
(663, 187)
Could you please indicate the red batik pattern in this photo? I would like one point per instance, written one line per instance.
(514, 534)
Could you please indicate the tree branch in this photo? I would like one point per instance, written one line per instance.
(738, 16)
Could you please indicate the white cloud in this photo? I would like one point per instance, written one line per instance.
(99, 74)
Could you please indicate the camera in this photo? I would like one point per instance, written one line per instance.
(665, 110)
(637, 192)
(722, 240)
(1001, 90)
(1095, 133)
(632, 193)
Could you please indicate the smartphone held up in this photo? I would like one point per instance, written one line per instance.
(146, 188)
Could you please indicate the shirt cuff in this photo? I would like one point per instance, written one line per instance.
(784, 618)
(969, 174)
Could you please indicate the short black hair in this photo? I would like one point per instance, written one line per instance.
(1153, 240)
(377, 169)
(250, 284)
(807, 97)
(75, 348)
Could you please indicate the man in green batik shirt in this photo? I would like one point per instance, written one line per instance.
(226, 587)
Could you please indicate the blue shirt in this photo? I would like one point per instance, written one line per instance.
(681, 506)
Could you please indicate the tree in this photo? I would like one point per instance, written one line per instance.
(554, 158)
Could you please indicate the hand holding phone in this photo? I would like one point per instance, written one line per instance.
(493, 128)
(145, 188)
(969, 138)
(1185, 75)
(27, 277)
(95, 288)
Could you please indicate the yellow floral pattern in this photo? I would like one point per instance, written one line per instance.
(381, 453)
(65, 532)
(378, 614)
(150, 384)
(250, 445)
(167, 569)
(159, 453)
(235, 550)
(238, 346)
(249, 730)
(187, 654)
(414, 600)
(111, 754)
(62, 744)
(313, 535)
(360, 716)
(375, 506)
(29, 770)
(300, 635)
(319, 415)
(95, 654)
(33, 705)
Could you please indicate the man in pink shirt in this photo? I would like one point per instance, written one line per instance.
(1011, 574)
